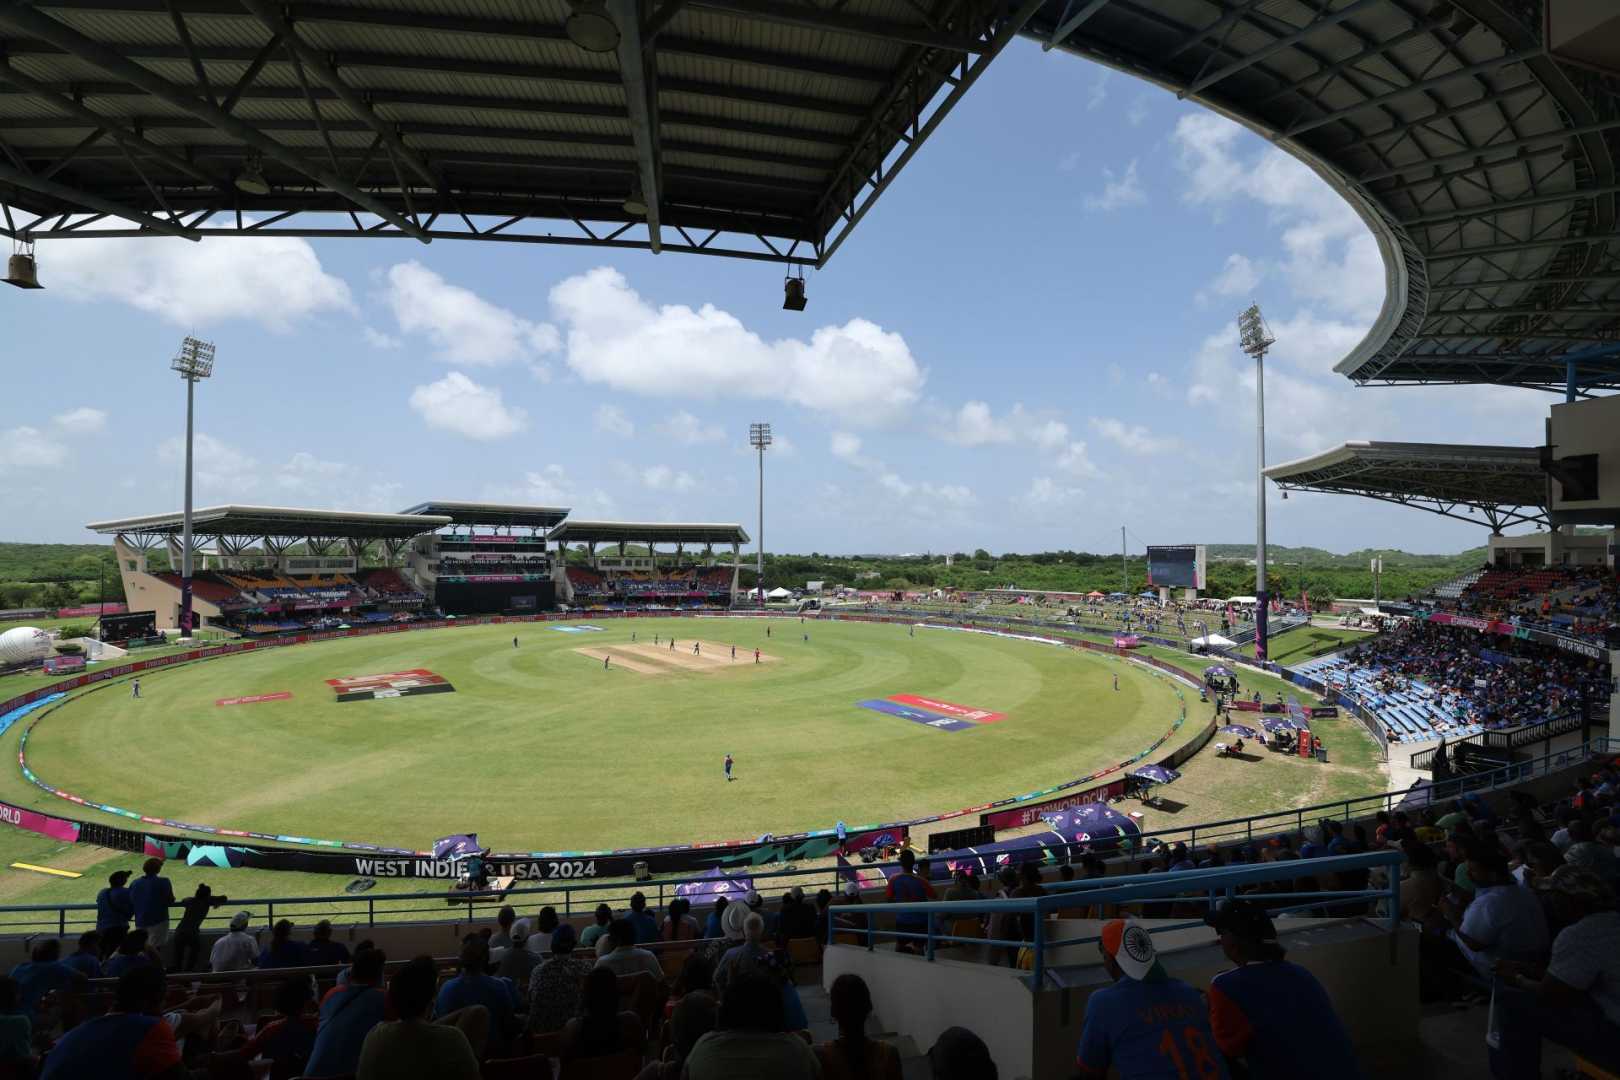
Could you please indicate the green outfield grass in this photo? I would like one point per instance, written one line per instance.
(540, 748)
(1306, 643)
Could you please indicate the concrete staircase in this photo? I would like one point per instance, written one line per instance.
(817, 1008)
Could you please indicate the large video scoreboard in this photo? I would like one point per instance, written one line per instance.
(1179, 566)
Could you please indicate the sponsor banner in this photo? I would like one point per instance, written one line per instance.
(946, 708)
(490, 538)
(1127, 641)
(1030, 813)
(1324, 712)
(394, 684)
(254, 698)
(57, 665)
(918, 716)
(54, 827)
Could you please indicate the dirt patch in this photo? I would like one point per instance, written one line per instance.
(620, 658)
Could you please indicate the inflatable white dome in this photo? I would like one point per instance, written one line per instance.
(23, 644)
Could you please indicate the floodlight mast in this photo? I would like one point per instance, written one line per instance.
(1256, 339)
(194, 362)
(759, 437)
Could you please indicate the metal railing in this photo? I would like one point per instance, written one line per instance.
(1185, 887)
(582, 897)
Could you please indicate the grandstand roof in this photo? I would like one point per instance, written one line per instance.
(479, 513)
(1495, 485)
(647, 532)
(277, 521)
(1485, 165)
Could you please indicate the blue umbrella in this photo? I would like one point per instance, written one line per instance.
(716, 883)
(458, 846)
(1155, 774)
(1091, 821)
(1277, 723)
(1240, 731)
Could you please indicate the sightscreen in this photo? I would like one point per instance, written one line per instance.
(1179, 566)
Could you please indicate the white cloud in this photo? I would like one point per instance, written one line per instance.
(551, 485)
(219, 469)
(858, 370)
(1076, 461)
(463, 326)
(1237, 277)
(1049, 434)
(664, 478)
(1045, 494)
(1124, 189)
(29, 448)
(275, 281)
(1099, 90)
(973, 425)
(1138, 112)
(456, 403)
(379, 340)
(846, 447)
(610, 420)
(81, 421)
(688, 430)
(1330, 257)
(304, 473)
(1132, 437)
(1069, 162)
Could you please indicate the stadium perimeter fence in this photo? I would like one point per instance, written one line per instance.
(580, 898)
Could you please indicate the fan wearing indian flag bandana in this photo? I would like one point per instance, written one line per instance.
(1146, 1026)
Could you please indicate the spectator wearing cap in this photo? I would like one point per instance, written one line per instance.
(322, 949)
(626, 957)
(473, 985)
(1268, 1012)
(236, 950)
(113, 905)
(958, 1054)
(133, 1039)
(1504, 921)
(1146, 1025)
(642, 919)
(909, 887)
(554, 985)
(1575, 1000)
(151, 898)
(518, 963)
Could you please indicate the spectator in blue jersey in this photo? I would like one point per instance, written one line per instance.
(713, 927)
(16, 1031)
(133, 952)
(151, 897)
(322, 949)
(113, 905)
(87, 961)
(42, 973)
(642, 919)
(909, 887)
(1147, 1026)
(474, 985)
(1271, 1014)
(283, 951)
(347, 1016)
(133, 1040)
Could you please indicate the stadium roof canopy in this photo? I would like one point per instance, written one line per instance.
(276, 521)
(1476, 138)
(1494, 485)
(647, 532)
(478, 513)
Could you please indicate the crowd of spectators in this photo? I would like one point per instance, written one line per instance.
(1476, 679)
(1583, 601)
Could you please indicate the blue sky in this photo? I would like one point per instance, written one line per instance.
(1028, 342)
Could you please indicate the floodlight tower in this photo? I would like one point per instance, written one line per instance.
(1256, 339)
(194, 362)
(759, 437)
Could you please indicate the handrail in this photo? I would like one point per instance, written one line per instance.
(1214, 883)
(1231, 830)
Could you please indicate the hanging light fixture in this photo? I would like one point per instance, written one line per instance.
(635, 203)
(793, 298)
(590, 26)
(251, 181)
(21, 270)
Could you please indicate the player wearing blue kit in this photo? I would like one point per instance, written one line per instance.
(1147, 1026)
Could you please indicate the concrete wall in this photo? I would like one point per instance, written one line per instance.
(1370, 975)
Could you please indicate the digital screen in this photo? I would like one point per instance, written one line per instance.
(1177, 567)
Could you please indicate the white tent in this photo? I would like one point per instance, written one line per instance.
(779, 594)
(1213, 641)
